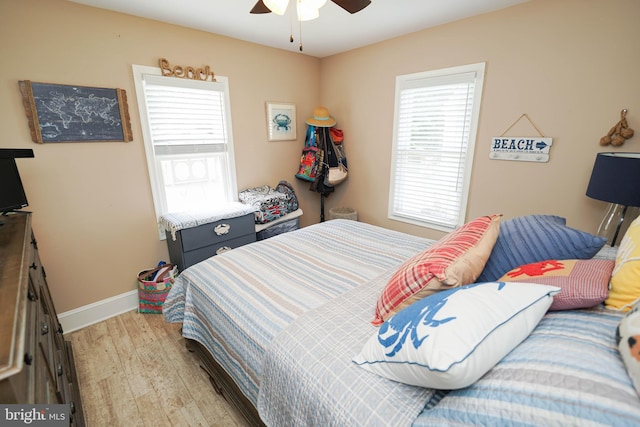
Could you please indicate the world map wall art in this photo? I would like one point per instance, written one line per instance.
(65, 113)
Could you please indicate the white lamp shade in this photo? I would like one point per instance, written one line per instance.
(278, 7)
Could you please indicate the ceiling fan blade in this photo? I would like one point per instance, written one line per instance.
(260, 8)
(352, 6)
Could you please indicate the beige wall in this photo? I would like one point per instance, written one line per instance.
(93, 211)
(571, 65)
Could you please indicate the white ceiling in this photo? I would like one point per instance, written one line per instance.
(335, 31)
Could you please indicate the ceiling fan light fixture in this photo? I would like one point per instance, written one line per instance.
(306, 10)
(278, 7)
(307, 13)
(316, 4)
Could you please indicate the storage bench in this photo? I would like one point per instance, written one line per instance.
(192, 238)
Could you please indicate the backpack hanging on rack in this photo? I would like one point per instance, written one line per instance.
(337, 171)
(309, 161)
(325, 158)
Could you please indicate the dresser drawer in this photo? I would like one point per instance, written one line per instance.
(196, 244)
(200, 254)
(215, 232)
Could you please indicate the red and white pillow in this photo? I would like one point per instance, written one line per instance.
(455, 260)
(583, 282)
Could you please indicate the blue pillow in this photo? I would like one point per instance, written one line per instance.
(534, 238)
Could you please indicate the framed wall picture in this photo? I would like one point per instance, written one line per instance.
(281, 121)
(64, 113)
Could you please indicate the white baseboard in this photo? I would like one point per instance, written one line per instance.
(81, 317)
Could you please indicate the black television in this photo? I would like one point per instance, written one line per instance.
(12, 195)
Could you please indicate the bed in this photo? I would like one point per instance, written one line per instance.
(277, 324)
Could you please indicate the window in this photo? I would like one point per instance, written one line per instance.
(436, 117)
(186, 125)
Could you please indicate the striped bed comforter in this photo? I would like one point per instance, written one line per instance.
(566, 373)
(308, 378)
(242, 306)
(235, 303)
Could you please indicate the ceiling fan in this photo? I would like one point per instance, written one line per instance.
(306, 9)
(351, 6)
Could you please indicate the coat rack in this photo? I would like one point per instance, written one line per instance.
(323, 162)
(327, 157)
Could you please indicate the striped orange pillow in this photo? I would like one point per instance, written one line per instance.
(456, 259)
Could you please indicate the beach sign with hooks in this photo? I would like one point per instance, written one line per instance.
(521, 148)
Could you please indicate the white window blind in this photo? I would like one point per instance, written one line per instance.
(186, 128)
(435, 122)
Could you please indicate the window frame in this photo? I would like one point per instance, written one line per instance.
(157, 189)
(402, 82)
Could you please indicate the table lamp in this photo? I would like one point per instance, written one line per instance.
(615, 179)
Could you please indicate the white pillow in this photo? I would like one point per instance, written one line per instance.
(628, 339)
(452, 338)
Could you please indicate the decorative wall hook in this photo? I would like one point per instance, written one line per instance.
(521, 148)
(619, 133)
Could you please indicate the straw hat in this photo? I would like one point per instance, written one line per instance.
(321, 118)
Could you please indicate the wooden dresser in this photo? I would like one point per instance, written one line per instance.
(36, 362)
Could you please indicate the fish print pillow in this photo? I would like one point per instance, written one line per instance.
(452, 338)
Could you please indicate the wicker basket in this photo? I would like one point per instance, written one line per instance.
(343, 213)
(152, 293)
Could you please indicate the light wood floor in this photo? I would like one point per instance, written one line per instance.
(134, 370)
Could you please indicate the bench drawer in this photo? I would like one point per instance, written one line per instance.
(216, 232)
